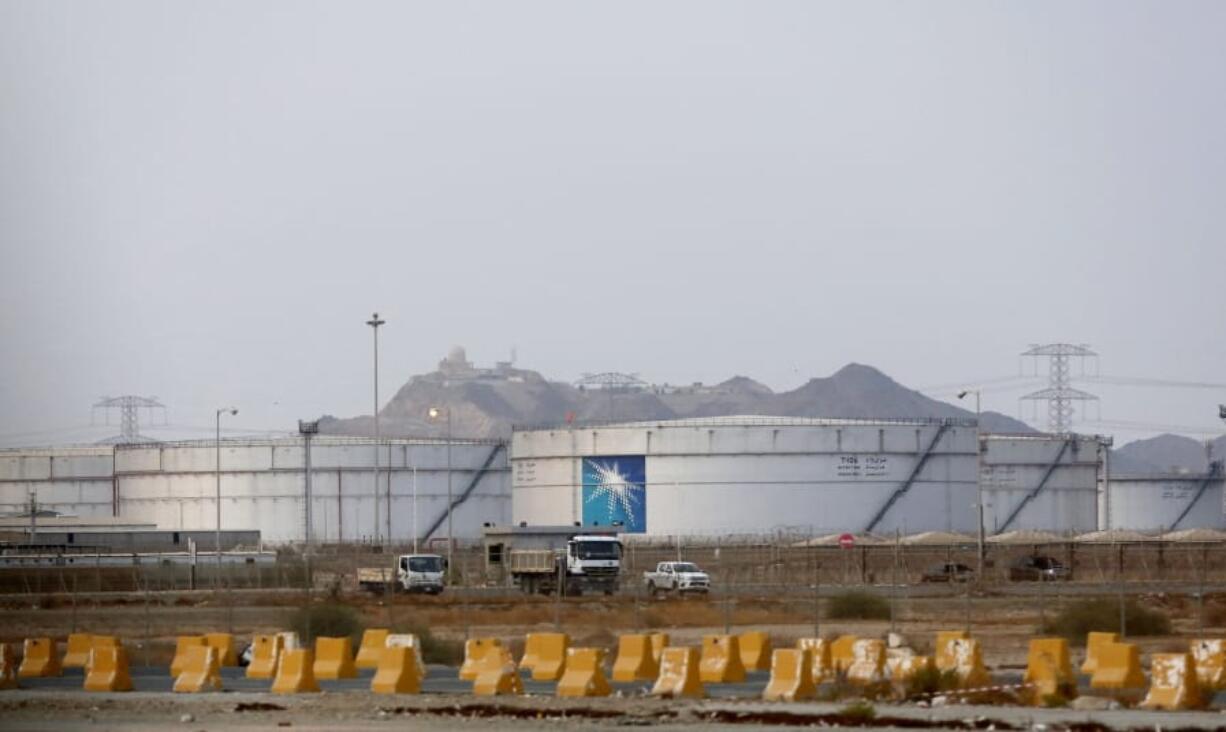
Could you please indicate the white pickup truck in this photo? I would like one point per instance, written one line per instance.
(680, 577)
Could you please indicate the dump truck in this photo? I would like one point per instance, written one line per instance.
(546, 559)
(413, 573)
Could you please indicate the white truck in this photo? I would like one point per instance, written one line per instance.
(413, 573)
(542, 559)
(679, 577)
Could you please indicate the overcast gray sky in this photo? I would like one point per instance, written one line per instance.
(205, 201)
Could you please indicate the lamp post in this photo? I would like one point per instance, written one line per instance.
(217, 470)
(307, 430)
(978, 477)
(374, 324)
(434, 413)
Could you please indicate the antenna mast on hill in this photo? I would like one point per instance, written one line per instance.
(129, 416)
(1059, 393)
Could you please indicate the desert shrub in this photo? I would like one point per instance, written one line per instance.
(858, 713)
(931, 680)
(434, 649)
(858, 605)
(1103, 615)
(327, 620)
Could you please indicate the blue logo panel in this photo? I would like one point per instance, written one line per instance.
(615, 489)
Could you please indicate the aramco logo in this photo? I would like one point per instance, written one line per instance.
(615, 490)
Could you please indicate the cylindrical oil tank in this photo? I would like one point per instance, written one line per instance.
(1165, 502)
(749, 475)
(1041, 481)
(263, 486)
(77, 481)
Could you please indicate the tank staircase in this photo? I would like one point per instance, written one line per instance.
(468, 491)
(1069, 443)
(1215, 473)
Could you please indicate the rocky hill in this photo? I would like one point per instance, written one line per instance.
(488, 402)
(1166, 454)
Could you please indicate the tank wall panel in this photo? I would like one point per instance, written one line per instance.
(1155, 504)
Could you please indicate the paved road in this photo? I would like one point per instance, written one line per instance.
(439, 680)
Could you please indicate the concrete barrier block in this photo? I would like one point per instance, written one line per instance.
(334, 659)
(265, 653)
(679, 674)
(107, 669)
(791, 676)
(584, 674)
(397, 672)
(200, 671)
(755, 648)
(76, 655)
(39, 659)
(720, 662)
(635, 659)
(370, 650)
(474, 651)
(183, 644)
(1173, 683)
(295, 673)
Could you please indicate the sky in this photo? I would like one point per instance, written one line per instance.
(206, 201)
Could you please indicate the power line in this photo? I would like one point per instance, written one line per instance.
(1143, 381)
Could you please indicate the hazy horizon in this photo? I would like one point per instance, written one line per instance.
(205, 202)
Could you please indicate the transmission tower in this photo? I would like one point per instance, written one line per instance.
(1059, 393)
(129, 416)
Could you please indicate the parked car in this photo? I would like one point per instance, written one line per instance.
(1036, 568)
(679, 577)
(948, 572)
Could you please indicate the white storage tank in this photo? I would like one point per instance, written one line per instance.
(750, 475)
(174, 485)
(1044, 482)
(1165, 503)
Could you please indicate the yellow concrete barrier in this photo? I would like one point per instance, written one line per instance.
(1173, 683)
(659, 641)
(295, 673)
(791, 676)
(107, 669)
(1117, 667)
(1095, 641)
(374, 641)
(868, 664)
(334, 658)
(584, 675)
(679, 674)
(943, 653)
(201, 670)
(1048, 669)
(819, 653)
(841, 653)
(901, 668)
(265, 652)
(412, 642)
(183, 644)
(39, 659)
(721, 660)
(635, 661)
(545, 655)
(397, 672)
(224, 643)
(497, 673)
(1210, 657)
(8, 666)
(76, 654)
(474, 651)
(755, 647)
(968, 663)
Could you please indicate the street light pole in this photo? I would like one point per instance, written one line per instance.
(978, 475)
(434, 414)
(374, 324)
(217, 470)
